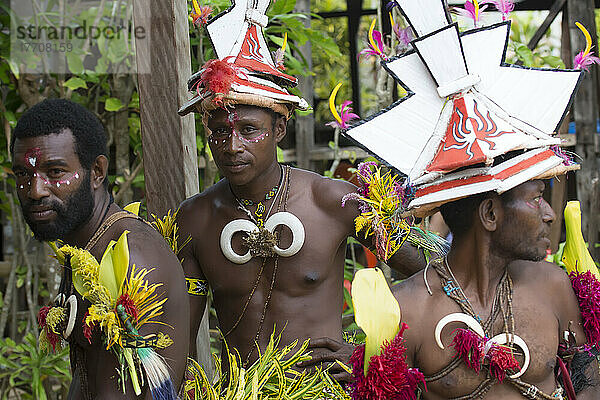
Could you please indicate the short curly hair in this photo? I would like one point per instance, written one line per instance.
(53, 116)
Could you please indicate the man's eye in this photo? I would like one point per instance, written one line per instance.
(55, 173)
(220, 131)
(21, 174)
(249, 129)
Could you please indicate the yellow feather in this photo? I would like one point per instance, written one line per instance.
(196, 7)
(588, 38)
(282, 49)
(336, 115)
(371, 40)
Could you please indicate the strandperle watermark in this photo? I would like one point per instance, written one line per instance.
(75, 37)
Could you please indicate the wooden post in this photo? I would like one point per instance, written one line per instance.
(586, 114)
(169, 141)
(305, 125)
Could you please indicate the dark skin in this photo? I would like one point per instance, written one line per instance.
(544, 304)
(57, 158)
(307, 297)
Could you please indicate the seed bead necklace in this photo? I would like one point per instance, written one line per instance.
(259, 214)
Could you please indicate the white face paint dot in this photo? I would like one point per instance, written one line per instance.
(57, 184)
(21, 186)
(68, 182)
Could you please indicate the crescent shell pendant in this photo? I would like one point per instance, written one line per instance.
(243, 225)
(295, 225)
(457, 317)
(237, 225)
(72, 301)
(503, 338)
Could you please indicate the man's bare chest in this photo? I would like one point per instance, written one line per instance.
(534, 323)
(319, 259)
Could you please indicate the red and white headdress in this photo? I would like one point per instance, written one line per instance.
(470, 123)
(244, 72)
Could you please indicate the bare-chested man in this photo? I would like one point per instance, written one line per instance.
(60, 164)
(498, 243)
(292, 280)
(301, 293)
(489, 319)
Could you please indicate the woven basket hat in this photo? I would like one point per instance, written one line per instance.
(244, 72)
(470, 123)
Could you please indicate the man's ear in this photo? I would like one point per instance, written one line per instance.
(489, 213)
(280, 128)
(99, 171)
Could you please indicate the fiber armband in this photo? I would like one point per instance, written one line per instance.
(196, 287)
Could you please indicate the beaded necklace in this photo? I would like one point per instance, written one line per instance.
(260, 206)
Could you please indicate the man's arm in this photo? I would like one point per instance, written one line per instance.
(197, 286)
(407, 260)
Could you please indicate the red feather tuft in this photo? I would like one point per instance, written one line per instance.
(88, 330)
(388, 377)
(42, 314)
(587, 289)
(217, 76)
(129, 306)
(470, 347)
(501, 360)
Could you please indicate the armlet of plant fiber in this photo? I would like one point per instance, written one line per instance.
(196, 287)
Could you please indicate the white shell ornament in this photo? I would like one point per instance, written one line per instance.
(72, 300)
(238, 225)
(503, 339)
(243, 225)
(457, 317)
(295, 225)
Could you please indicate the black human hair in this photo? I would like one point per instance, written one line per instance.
(55, 115)
(459, 214)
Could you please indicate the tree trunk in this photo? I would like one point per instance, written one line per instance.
(122, 87)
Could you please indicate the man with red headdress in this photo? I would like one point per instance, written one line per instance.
(270, 240)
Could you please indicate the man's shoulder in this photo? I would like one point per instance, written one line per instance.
(141, 235)
(539, 273)
(412, 293)
(325, 190)
(203, 200)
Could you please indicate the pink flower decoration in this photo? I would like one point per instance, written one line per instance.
(471, 11)
(405, 36)
(504, 6)
(370, 50)
(584, 61)
(346, 115)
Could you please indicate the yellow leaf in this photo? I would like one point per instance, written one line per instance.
(576, 254)
(106, 274)
(121, 260)
(133, 207)
(376, 310)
